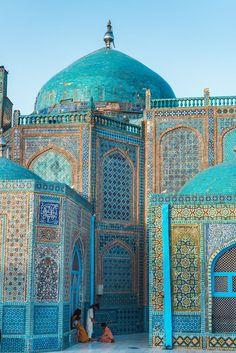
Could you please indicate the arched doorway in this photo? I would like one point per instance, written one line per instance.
(224, 292)
(76, 279)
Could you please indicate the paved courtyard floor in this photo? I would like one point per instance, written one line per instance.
(125, 344)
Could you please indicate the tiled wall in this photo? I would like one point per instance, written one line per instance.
(200, 227)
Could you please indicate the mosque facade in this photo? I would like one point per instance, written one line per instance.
(110, 151)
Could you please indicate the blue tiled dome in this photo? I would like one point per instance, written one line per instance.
(218, 179)
(10, 170)
(107, 75)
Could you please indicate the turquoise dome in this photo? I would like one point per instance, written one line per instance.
(107, 75)
(220, 179)
(10, 170)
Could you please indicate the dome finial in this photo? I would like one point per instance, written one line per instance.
(108, 36)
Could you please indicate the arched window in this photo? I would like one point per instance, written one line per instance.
(224, 292)
(180, 158)
(53, 166)
(117, 270)
(117, 187)
(76, 279)
(229, 146)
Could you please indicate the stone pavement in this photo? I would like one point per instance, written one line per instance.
(125, 344)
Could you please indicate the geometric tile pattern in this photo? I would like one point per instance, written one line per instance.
(180, 158)
(229, 146)
(187, 341)
(48, 234)
(45, 319)
(14, 320)
(16, 245)
(185, 267)
(222, 341)
(107, 145)
(211, 140)
(45, 344)
(53, 166)
(13, 345)
(187, 323)
(46, 269)
(117, 184)
(117, 270)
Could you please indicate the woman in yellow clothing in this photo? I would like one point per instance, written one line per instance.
(82, 334)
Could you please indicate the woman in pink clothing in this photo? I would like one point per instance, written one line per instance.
(107, 336)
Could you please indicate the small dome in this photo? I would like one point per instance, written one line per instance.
(107, 75)
(220, 179)
(10, 170)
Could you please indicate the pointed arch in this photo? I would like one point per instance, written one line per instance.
(222, 288)
(53, 163)
(180, 145)
(227, 145)
(118, 268)
(116, 187)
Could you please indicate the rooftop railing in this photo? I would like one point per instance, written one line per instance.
(193, 102)
(51, 119)
(108, 122)
(28, 120)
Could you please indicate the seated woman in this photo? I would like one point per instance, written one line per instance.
(107, 336)
(82, 334)
(75, 323)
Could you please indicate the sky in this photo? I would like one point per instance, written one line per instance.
(190, 43)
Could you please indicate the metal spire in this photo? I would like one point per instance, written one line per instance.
(109, 37)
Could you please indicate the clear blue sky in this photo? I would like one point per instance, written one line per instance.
(191, 43)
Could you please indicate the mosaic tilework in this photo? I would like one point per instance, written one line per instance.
(187, 341)
(66, 318)
(14, 320)
(229, 146)
(49, 211)
(226, 122)
(48, 234)
(35, 144)
(222, 342)
(16, 145)
(16, 246)
(45, 344)
(184, 112)
(185, 267)
(180, 159)
(156, 277)
(196, 123)
(219, 234)
(107, 145)
(45, 319)
(13, 345)
(117, 185)
(211, 137)
(129, 239)
(117, 270)
(46, 269)
(53, 166)
(85, 161)
(187, 323)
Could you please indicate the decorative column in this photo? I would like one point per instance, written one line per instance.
(167, 277)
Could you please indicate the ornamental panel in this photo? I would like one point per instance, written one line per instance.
(229, 146)
(53, 166)
(117, 188)
(117, 270)
(180, 158)
(46, 273)
(185, 245)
